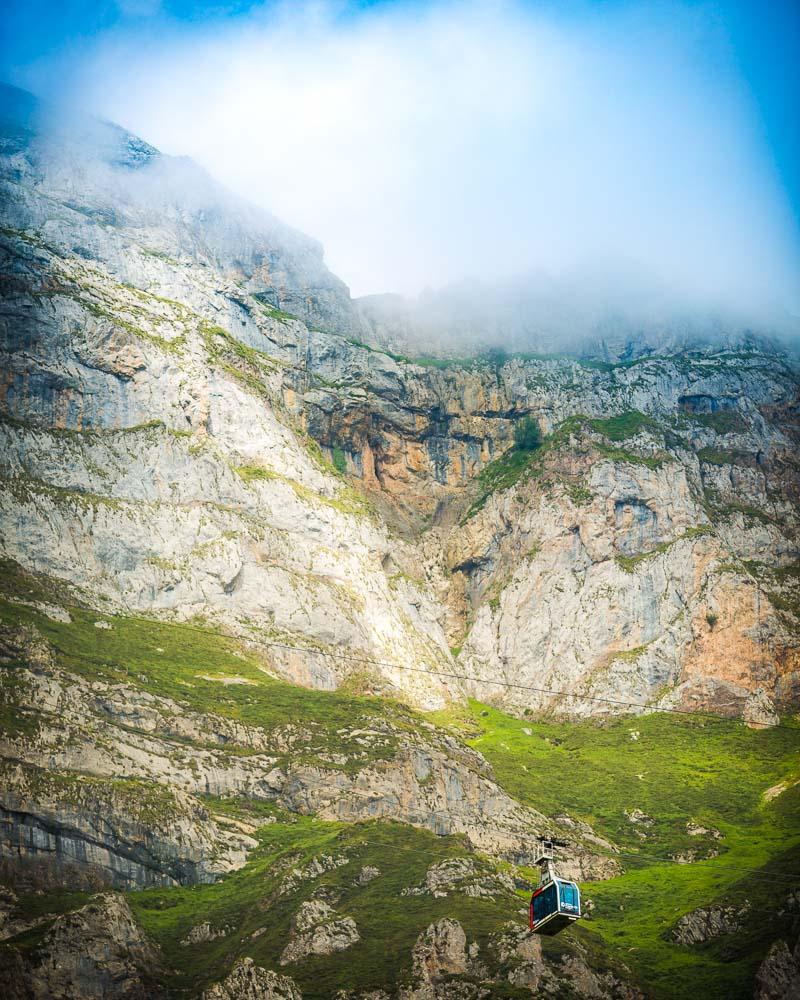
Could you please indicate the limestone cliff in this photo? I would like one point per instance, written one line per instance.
(162, 421)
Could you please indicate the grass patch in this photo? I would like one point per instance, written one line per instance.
(498, 476)
(223, 346)
(172, 346)
(250, 900)
(722, 456)
(166, 659)
(517, 464)
(272, 311)
(721, 510)
(722, 421)
(347, 500)
(159, 255)
(630, 563)
(623, 426)
(621, 455)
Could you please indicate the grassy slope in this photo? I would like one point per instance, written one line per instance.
(678, 769)
(174, 662)
(248, 900)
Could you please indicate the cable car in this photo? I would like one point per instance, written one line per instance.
(556, 903)
(554, 906)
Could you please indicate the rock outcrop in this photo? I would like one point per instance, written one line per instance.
(96, 951)
(441, 951)
(778, 976)
(440, 956)
(703, 924)
(461, 875)
(62, 829)
(248, 981)
(318, 930)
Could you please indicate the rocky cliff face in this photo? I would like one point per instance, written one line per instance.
(163, 417)
(96, 951)
(121, 807)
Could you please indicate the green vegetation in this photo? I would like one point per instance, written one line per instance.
(591, 364)
(176, 662)
(145, 802)
(516, 464)
(722, 421)
(257, 473)
(780, 583)
(675, 769)
(718, 509)
(580, 495)
(442, 363)
(272, 311)
(527, 435)
(347, 501)
(339, 460)
(623, 426)
(698, 531)
(224, 347)
(499, 475)
(630, 655)
(721, 456)
(172, 346)
(629, 563)
(621, 455)
(25, 489)
(422, 361)
(159, 255)
(250, 900)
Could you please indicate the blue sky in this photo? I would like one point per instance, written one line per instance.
(648, 129)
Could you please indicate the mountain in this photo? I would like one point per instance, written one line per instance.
(261, 580)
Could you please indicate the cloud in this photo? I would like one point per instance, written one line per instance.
(426, 143)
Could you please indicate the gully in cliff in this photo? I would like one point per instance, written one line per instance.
(556, 903)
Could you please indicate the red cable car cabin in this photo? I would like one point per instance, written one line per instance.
(554, 905)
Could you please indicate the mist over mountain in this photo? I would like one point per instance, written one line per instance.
(180, 206)
(430, 144)
(587, 316)
(605, 315)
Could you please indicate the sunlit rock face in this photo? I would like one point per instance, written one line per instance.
(192, 426)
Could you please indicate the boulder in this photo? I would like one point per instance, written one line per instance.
(440, 950)
(248, 981)
(778, 976)
(317, 930)
(703, 924)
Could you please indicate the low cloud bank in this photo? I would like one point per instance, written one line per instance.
(424, 143)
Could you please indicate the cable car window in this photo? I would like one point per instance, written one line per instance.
(544, 903)
(569, 895)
